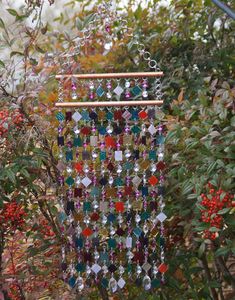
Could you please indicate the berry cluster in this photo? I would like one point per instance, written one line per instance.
(10, 119)
(213, 202)
(12, 216)
(44, 228)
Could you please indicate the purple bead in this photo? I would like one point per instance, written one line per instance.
(93, 129)
(91, 95)
(78, 205)
(61, 179)
(127, 95)
(60, 129)
(137, 194)
(73, 87)
(107, 28)
(127, 129)
(69, 144)
(109, 85)
(111, 204)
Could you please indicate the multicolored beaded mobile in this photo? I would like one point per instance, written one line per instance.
(111, 183)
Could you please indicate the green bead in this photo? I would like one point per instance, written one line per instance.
(104, 257)
(145, 216)
(127, 166)
(69, 181)
(77, 142)
(112, 243)
(95, 191)
(129, 268)
(162, 241)
(136, 90)
(102, 155)
(152, 155)
(85, 115)
(118, 181)
(135, 129)
(100, 91)
(69, 155)
(104, 283)
(80, 267)
(60, 116)
(109, 115)
(155, 283)
(137, 232)
(87, 206)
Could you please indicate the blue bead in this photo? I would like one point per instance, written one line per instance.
(72, 281)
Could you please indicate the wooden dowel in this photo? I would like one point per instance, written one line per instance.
(111, 75)
(110, 103)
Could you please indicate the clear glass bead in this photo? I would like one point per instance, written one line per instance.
(138, 270)
(127, 84)
(127, 153)
(77, 180)
(136, 167)
(95, 204)
(74, 95)
(110, 180)
(69, 169)
(137, 218)
(119, 169)
(145, 94)
(153, 168)
(104, 220)
(80, 283)
(76, 129)
(87, 220)
(86, 168)
(94, 154)
(109, 129)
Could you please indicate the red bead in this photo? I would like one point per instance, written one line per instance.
(119, 206)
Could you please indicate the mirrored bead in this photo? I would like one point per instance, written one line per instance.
(119, 169)
(109, 129)
(86, 168)
(104, 220)
(127, 153)
(94, 154)
(137, 218)
(80, 283)
(147, 283)
(110, 180)
(136, 167)
(69, 169)
(88, 270)
(113, 285)
(138, 270)
(76, 130)
(78, 180)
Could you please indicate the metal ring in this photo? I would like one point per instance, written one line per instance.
(147, 55)
(152, 64)
(141, 47)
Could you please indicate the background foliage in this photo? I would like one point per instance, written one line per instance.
(194, 44)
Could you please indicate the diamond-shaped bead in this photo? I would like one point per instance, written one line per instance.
(161, 217)
(100, 91)
(76, 116)
(153, 180)
(142, 114)
(136, 90)
(118, 155)
(87, 232)
(146, 267)
(121, 283)
(96, 268)
(152, 130)
(86, 181)
(162, 268)
(118, 90)
(126, 115)
(136, 181)
(137, 231)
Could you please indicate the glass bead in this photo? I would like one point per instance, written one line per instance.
(147, 283)
(72, 282)
(74, 95)
(80, 283)
(104, 283)
(113, 285)
(127, 153)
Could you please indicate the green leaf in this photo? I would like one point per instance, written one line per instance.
(12, 12)
(11, 175)
(2, 25)
(224, 210)
(214, 229)
(201, 249)
(222, 251)
(2, 64)
(13, 53)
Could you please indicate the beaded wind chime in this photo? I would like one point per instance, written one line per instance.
(111, 183)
